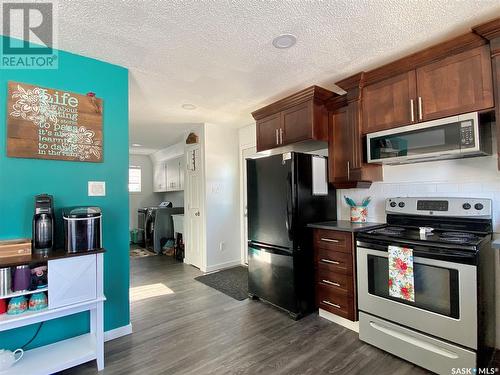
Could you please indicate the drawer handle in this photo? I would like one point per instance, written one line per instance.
(330, 282)
(330, 261)
(329, 240)
(414, 341)
(331, 304)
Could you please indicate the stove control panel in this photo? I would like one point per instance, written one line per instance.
(429, 206)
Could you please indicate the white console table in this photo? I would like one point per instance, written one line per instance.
(75, 284)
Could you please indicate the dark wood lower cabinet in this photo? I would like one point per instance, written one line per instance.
(330, 299)
(335, 272)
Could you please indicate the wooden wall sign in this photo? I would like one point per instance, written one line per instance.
(46, 123)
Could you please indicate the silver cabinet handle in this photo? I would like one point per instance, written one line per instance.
(330, 282)
(331, 304)
(330, 261)
(277, 139)
(348, 171)
(329, 240)
(412, 111)
(281, 136)
(420, 114)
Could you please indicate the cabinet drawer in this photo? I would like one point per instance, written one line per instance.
(336, 303)
(329, 239)
(333, 261)
(341, 282)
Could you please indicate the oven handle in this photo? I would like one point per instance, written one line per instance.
(465, 258)
(363, 252)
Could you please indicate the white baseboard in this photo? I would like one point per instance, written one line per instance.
(118, 332)
(221, 266)
(353, 326)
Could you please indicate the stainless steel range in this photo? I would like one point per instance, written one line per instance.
(451, 321)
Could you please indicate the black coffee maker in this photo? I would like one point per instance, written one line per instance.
(43, 223)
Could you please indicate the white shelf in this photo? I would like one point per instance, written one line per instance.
(30, 317)
(24, 293)
(56, 357)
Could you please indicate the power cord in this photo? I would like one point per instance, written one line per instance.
(34, 336)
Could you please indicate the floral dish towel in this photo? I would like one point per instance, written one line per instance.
(401, 282)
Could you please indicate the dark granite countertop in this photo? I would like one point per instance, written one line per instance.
(345, 226)
(39, 258)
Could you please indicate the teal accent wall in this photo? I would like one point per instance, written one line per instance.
(22, 179)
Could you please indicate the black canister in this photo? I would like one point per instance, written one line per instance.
(82, 229)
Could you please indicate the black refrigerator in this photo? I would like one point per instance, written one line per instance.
(280, 252)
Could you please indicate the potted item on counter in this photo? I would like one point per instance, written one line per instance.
(359, 212)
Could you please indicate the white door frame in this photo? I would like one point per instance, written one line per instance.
(202, 241)
(246, 151)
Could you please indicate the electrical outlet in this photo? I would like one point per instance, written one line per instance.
(222, 246)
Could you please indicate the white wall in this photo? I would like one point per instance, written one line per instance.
(176, 197)
(471, 178)
(167, 153)
(222, 213)
(247, 136)
(146, 197)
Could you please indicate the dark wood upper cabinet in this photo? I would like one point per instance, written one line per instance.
(346, 166)
(297, 118)
(298, 123)
(389, 103)
(457, 84)
(340, 147)
(444, 86)
(268, 132)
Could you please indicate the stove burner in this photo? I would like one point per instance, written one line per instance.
(393, 231)
(458, 240)
(457, 235)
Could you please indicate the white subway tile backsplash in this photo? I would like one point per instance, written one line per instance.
(471, 188)
(421, 189)
(447, 188)
(390, 190)
(491, 186)
(473, 178)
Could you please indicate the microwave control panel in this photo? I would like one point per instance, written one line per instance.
(467, 134)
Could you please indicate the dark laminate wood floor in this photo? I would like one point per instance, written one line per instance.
(198, 330)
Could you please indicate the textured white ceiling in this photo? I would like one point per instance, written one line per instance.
(218, 54)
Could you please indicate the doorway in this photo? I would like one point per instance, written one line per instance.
(245, 153)
(194, 208)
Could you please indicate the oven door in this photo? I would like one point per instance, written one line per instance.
(445, 296)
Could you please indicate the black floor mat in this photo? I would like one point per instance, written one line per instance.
(231, 281)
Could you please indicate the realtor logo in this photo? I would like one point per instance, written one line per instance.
(29, 35)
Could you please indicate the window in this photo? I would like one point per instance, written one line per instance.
(134, 179)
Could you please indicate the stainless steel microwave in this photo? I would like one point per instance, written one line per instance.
(448, 138)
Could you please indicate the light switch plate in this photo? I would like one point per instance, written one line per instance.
(97, 189)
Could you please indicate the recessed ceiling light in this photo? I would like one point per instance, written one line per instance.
(189, 106)
(284, 41)
(136, 145)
